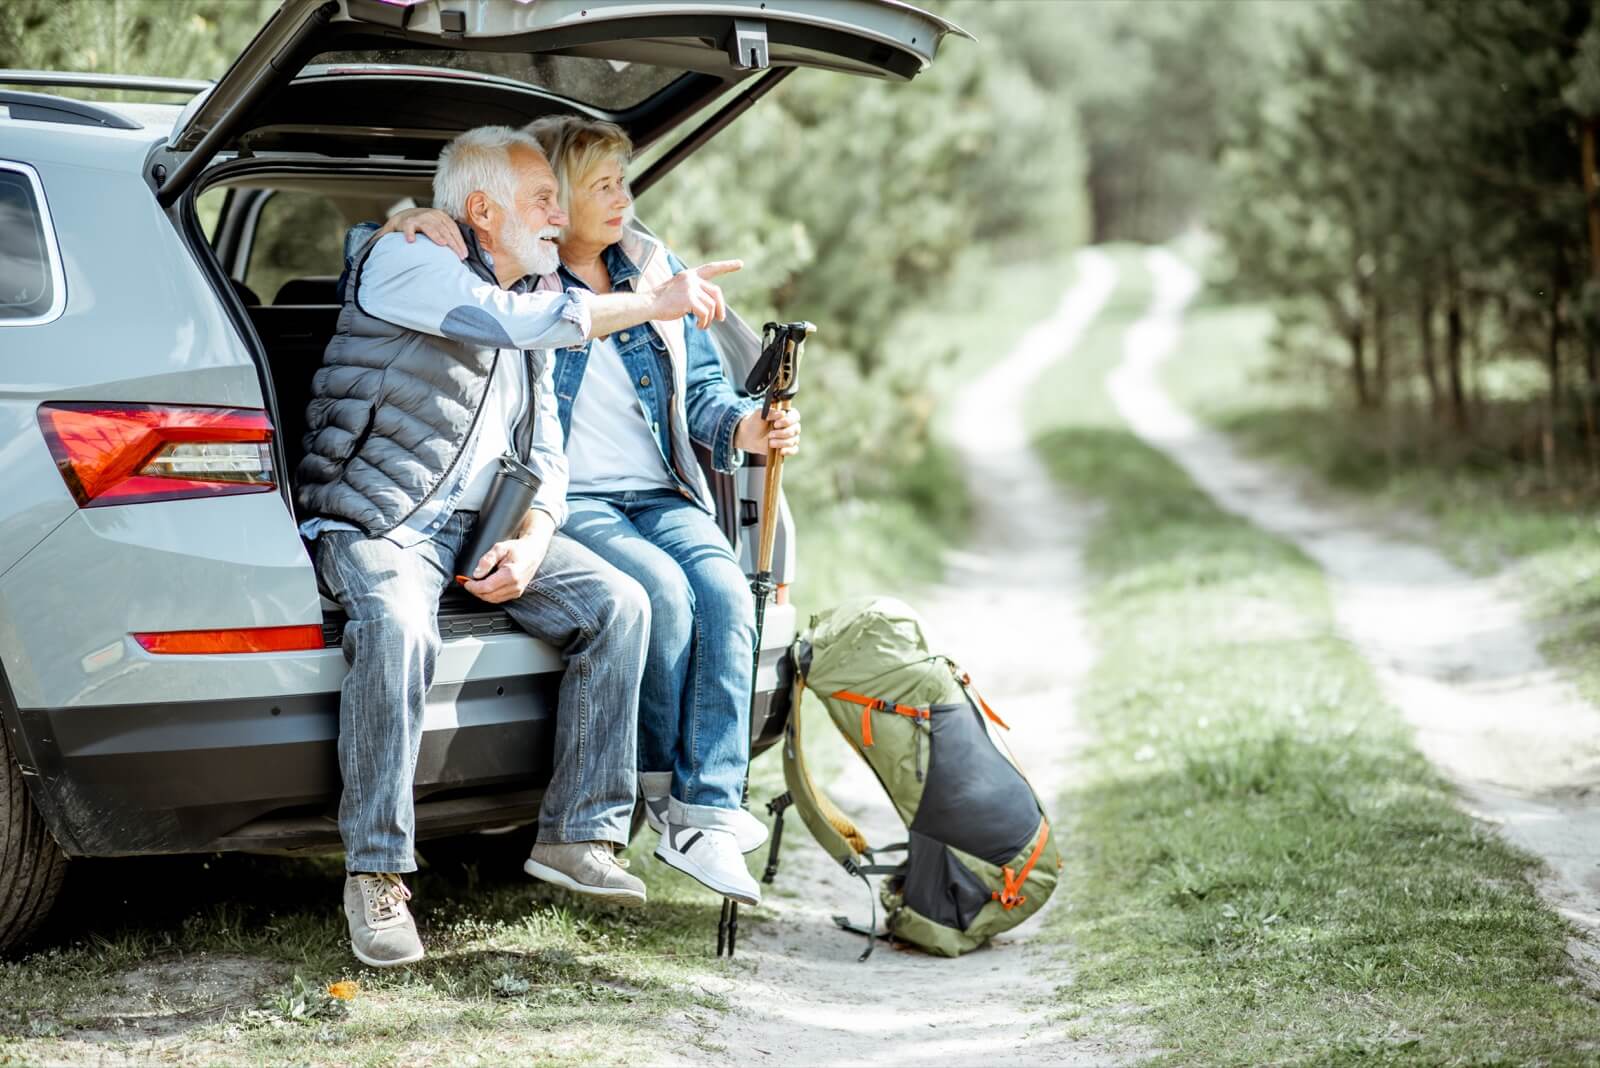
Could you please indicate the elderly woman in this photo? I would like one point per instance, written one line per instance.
(630, 405)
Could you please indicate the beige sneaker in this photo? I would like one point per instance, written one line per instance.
(586, 867)
(382, 932)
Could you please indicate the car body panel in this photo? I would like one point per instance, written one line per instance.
(262, 773)
(190, 353)
(71, 604)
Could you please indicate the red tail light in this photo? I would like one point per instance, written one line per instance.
(238, 640)
(131, 453)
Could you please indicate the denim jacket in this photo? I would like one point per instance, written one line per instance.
(710, 408)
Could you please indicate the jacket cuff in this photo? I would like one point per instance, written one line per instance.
(556, 510)
(724, 457)
(577, 312)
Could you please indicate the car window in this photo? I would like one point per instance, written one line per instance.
(209, 208)
(297, 235)
(31, 287)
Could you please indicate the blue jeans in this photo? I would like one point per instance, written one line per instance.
(595, 615)
(694, 704)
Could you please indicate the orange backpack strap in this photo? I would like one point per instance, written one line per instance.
(869, 705)
(1010, 896)
(972, 691)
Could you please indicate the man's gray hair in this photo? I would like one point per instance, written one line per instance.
(479, 159)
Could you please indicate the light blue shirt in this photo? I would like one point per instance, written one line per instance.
(422, 286)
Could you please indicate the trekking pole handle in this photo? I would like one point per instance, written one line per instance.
(780, 391)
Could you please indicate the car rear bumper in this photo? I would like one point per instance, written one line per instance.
(262, 773)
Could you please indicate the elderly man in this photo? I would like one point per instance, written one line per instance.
(439, 367)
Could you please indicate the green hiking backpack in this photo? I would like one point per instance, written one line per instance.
(979, 856)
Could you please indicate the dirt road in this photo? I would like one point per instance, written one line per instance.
(1008, 611)
(1454, 652)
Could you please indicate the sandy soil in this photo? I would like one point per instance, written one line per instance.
(1009, 613)
(1454, 652)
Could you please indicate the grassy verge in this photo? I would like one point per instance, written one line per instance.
(200, 960)
(1267, 872)
(1491, 511)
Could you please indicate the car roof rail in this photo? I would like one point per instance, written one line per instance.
(40, 107)
(63, 79)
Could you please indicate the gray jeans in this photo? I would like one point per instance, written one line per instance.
(595, 615)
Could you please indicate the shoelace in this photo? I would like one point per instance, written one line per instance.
(603, 852)
(386, 896)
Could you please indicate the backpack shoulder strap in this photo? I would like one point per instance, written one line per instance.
(834, 831)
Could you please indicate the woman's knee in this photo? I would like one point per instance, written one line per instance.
(672, 605)
(722, 590)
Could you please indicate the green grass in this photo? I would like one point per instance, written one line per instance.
(214, 952)
(1491, 508)
(1265, 869)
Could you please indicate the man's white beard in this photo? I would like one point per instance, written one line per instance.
(534, 251)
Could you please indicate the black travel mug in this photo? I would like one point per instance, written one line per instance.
(507, 502)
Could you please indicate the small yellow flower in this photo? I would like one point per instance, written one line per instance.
(344, 990)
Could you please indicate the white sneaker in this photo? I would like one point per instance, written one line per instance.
(710, 856)
(749, 832)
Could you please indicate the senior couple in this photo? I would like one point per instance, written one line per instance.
(531, 320)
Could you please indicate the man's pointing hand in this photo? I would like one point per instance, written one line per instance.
(692, 292)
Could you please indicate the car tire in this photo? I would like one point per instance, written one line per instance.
(498, 856)
(32, 866)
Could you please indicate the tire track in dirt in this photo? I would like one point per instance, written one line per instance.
(1452, 651)
(1008, 610)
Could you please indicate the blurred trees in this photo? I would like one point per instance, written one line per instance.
(855, 201)
(1412, 193)
(1155, 83)
(175, 38)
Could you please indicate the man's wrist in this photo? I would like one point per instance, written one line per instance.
(620, 310)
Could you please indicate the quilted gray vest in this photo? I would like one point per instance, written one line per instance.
(390, 412)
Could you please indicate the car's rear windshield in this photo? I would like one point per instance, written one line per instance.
(27, 284)
(607, 84)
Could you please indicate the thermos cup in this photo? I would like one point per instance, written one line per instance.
(507, 502)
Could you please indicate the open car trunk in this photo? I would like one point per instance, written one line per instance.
(400, 77)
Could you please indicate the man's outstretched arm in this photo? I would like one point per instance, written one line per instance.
(689, 292)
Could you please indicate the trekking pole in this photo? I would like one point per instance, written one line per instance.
(775, 378)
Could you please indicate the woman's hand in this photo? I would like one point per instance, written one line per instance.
(779, 432)
(431, 223)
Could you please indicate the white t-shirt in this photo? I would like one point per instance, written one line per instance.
(610, 447)
(497, 427)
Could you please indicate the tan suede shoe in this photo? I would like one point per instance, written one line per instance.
(586, 867)
(382, 932)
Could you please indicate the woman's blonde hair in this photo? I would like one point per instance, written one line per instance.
(576, 146)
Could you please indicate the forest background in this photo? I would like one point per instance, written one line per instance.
(1410, 186)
